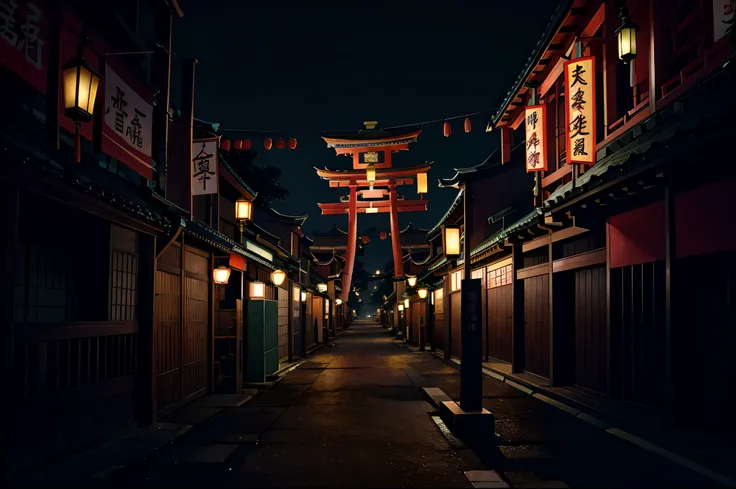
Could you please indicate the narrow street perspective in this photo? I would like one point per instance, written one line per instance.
(348, 417)
(281, 243)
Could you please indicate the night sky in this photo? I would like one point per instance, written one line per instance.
(301, 68)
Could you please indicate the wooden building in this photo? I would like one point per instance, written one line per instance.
(614, 276)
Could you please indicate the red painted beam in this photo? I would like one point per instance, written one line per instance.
(347, 274)
(395, 233)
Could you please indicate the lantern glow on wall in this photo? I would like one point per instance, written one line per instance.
(257, 290)
(221, 275)
(451, 240)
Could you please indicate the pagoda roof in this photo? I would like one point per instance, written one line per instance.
(295, 220)
(462, 174)
(371, 137)
(412, 228)
(335, 232)
(381, 175)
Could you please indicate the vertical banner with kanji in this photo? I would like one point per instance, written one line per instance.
(128, 124)
(23, 40)
(535, 121)
(724, 17)
(204, 166)
(580, 110)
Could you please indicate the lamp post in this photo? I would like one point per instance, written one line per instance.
(243, 213)
(80, 91)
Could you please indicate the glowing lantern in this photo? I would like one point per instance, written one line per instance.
(370, 173)
(626, 36)
(80, 92)
(421, 183)
(278, 277)
(243, 210)
(466, 124)
(268, 143)
(447, 130)
(247, 144)
(292, 143)
(365, 239)
(304, 296)
(238, 144)
(322, 287)
(378, 272)
(280, 143)
(384, 235)
(406, 303)
(225, 145)
(257, 290)
(338, 302)
(401, 307)
(221, 275)
(423, 293)
(451, 240)
(411, 281)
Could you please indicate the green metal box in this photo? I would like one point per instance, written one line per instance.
(261, 340)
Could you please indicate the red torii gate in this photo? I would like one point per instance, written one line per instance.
(372, 183)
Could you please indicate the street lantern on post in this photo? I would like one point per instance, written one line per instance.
(243, 213)
(304, 296)
(422, 292)
(80, 91)
(406, 303)
(411, 281)
(451, 240)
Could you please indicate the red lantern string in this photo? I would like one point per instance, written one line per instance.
(280, 143)
(268, 143)
(292, 143)
(447, 129)
(225, 145)
(467, 124)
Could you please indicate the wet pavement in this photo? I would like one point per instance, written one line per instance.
(354, 415)
(348, 417)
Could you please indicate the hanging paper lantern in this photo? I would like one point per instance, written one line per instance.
(384, 235)
(467, 124)
(238, 144)
(365, 239)
(447, 129)
(225, 145)
(280, 143)
(292, 143)
(247, 144)
(267, 143)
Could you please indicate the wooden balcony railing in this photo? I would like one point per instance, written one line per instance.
(696, 70)
(73, 360)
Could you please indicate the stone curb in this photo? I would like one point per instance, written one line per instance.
(541, 395)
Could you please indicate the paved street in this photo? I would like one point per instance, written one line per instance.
(354, 416)
(349, 417)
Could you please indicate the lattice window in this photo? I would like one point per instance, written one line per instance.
(498, 277)
(456, 281)
(123, 285)
(439, 301)
(43, 285)
(477, 273)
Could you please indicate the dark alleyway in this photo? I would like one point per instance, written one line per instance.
(354, 416)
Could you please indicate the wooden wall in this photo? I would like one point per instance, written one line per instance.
(440, 319)
(456, 323)
(536, 325)
(500, 322)
(591, 340)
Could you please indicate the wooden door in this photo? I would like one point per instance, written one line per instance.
(455, 324)
(536, 325)
(417, 312)
(318, 317)
(500, 322)
(182, 326)
(309, 332)
(591, 340)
